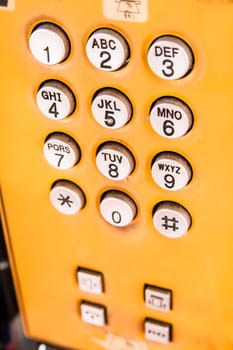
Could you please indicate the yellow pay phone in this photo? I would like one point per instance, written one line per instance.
(116, 171)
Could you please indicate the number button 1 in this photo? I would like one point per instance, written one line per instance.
(61, 151)
(49, 44)
(107, 49)
(117, 208)
(170, 57)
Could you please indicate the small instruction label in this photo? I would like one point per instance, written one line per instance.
(122, 10)
(114, 342)
(7, 5)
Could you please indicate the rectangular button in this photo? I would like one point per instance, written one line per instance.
(158, 331)
(90, 281)
(158, 298)
(94, 314)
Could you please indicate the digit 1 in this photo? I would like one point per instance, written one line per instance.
(47, 50)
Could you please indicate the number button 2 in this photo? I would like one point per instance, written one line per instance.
(107, 49)
(49, 44)
(61, 151)
(170, 57)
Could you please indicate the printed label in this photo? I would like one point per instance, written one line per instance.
(7, 5)
(114, 342)
(122, 10)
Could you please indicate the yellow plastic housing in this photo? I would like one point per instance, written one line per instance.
(46, 247)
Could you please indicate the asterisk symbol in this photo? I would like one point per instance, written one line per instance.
(65, 200)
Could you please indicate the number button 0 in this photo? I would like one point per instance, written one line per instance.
(107, 49)
(171, 171)
(111, 108)
(114, 161)
(170, 117)
(61, 151)
(49, 44)
(55, 100)
(170, 57)
(117, 208)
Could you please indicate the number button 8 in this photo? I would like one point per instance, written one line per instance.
(49, 44)
(107, 49)
(170, 57)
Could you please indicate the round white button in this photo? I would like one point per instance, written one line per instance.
(55, 100)
(117, 208)
(49, 44)
(111, 108)
(114, 161)
(171, 219)
(170, 57)
(61, 151)
(67, 197)
(171, 117)
(107, 49)
(171, 171)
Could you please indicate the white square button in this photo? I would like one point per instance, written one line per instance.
(158, 331)
(93, 314)
(90, 281)
(158, 298)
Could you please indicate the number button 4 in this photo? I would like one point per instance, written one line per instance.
(55, 100)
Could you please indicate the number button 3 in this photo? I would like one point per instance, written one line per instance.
(170, 57)
(61, 151)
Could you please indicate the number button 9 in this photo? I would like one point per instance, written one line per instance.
(171, 171)
(55, 100)
(61, 151)
(107, 49)
(49, 44)
(170, 57)
(117, 208)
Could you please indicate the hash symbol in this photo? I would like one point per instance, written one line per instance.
(65, 200)
(172, 226)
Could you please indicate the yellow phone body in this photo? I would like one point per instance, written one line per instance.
(47, 248)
